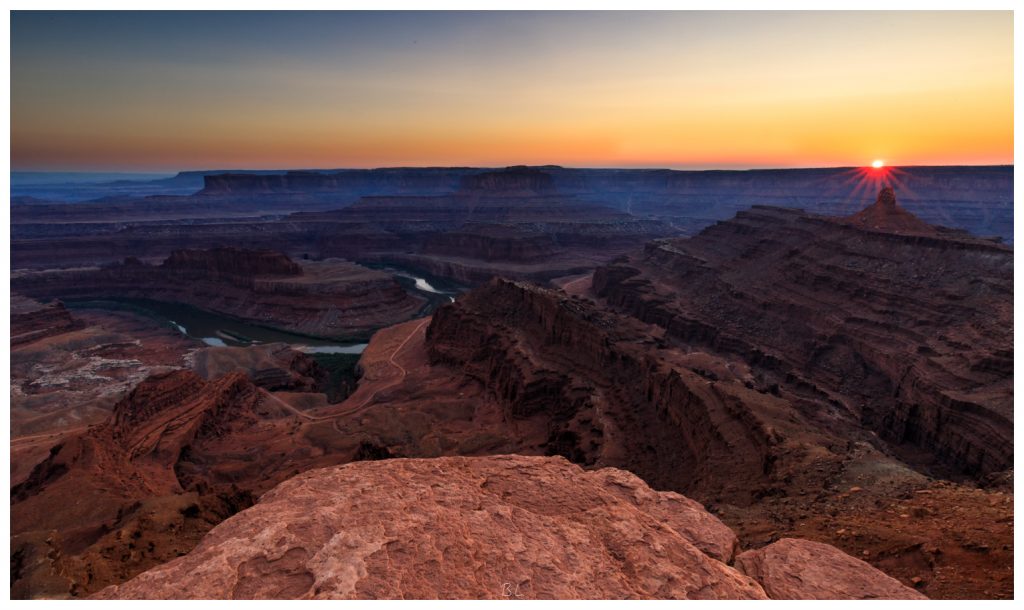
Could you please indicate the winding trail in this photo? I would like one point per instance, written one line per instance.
(313, 418)
(22, 439)
(565, 287)
(369, 399)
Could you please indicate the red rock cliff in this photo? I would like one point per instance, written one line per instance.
(907, 331)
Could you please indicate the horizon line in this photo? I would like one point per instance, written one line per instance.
(496, 167)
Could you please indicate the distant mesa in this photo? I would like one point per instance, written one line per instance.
(233, 261)
(510, 181)
(887, 215)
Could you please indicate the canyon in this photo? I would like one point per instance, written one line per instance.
(329, 298)
(902, 326)
(578, 214)
(764, 402)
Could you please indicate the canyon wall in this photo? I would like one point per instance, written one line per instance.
(906, 327)
(32, 320)
(611, 397)
(332, 298)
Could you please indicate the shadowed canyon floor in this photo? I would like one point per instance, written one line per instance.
(837, 380)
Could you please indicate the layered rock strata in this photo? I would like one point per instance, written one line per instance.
(331, 298)
(140, 488)
(906, 329)
(32, 320)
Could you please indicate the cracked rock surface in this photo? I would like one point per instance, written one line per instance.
(493, 527)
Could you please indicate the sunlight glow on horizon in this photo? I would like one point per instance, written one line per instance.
(174, 91)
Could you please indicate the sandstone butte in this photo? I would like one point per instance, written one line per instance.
(492, 527)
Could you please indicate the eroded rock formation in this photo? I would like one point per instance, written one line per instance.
(480, 528)
(609, 395)
(907, 332)
(885, 214)
(273, 366)
(802, 569)
(32, 320)
(142, 487)
(331, 298)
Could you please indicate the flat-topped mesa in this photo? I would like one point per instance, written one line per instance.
(233, 261)
(511, 181)
(353, 183)
(887, 215)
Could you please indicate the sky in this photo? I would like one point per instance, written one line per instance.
(170, 91)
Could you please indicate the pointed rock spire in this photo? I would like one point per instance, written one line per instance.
(886, 198)
(885, 214)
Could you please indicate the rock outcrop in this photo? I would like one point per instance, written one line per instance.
(32, 320)
(802, 569)
(331, 298)
(607, 395)
(139, 448)
(273, 366)
(490, 528)
(143, 486)
(906, 331)
(887, 215)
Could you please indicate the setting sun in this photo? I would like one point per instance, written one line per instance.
(877, 163)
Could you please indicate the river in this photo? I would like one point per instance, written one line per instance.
(220, 330)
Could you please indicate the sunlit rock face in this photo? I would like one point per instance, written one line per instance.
(801, 569)
(482, 528)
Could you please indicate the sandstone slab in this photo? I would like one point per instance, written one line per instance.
(803, 569)
(496, 527)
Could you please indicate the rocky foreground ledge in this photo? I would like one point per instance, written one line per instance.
(494, 527)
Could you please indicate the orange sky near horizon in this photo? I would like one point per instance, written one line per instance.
(725, 90)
